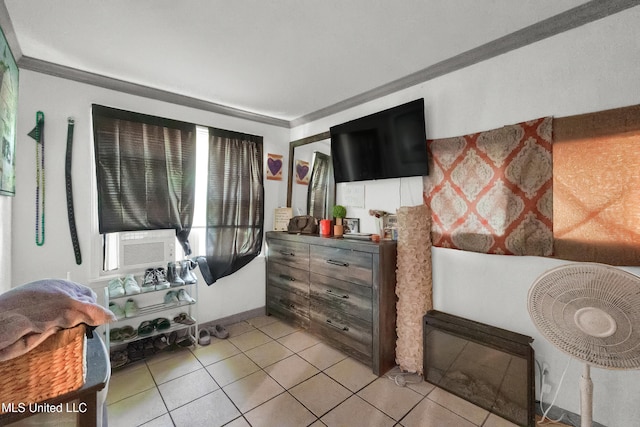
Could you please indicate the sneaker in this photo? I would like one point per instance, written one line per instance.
(185, 273)
(172, 275)
(161, 279)
(117, 310)
(115, 288)
(184, 296)
(131, 286)
(131, 309)
(171, 298)
(149, 282)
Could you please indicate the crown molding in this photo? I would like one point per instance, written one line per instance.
(565, 21)
(44, 67)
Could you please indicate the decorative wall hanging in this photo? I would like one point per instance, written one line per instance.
(596, 180)
(491, 192)
(413, 284)
(302, 172)
(274, 167)
(8, 114)
(37, 133)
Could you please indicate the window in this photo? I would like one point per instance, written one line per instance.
(155, 173)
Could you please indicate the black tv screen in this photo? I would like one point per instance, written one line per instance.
(388, 144)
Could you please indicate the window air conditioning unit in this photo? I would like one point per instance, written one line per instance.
(138, 250)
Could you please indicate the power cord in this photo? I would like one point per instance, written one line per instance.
(542, 388)
(402, 379)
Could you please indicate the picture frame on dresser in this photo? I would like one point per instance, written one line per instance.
(351, 225)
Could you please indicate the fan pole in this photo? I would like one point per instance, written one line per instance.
(586, 397)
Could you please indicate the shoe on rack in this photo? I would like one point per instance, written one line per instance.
(149, 348)
(160, 342)
(131, 308)
(116, 289)
(117, 310)
(172, 275)
(135, 351)
(184, 318)
(119, 359)
(161, 279)
(185, 341)
(184, 296)
(171, 298)
(149, 281)
(185, 272)
(131, 286)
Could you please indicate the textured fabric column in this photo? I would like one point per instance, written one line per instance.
(413, 284)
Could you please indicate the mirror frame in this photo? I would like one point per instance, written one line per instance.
(297, 143)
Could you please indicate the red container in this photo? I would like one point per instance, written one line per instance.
(325, 227)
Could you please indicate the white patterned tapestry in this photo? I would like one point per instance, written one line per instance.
(491, 192)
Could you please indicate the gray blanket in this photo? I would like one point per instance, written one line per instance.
(30, 313)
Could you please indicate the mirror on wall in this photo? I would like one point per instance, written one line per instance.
(311, 183)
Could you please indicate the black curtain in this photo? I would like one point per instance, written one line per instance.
(145, 168)
(235, 203)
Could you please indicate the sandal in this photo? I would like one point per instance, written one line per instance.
(162, 324)
(119, 359)
(128, 332)
(115, 334)
(219, 331)
(184, 318)
(185, 341)
(204, 337)
(145, 328)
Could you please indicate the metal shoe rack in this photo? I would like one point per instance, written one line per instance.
(152, 306)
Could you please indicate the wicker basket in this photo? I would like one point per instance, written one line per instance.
(55, 367)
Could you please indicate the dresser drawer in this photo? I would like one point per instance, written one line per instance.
(293, 254)
(347, 332)
(344, 264)
(288, 306)
(341, 296)
(289, 279)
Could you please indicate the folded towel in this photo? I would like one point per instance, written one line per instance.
(30, 313)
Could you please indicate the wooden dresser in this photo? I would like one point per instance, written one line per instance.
(342, 290)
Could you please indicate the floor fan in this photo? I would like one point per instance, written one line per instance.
(591, 312)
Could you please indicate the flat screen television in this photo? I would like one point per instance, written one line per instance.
(388, 144)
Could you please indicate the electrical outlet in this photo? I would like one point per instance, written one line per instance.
(546, 389)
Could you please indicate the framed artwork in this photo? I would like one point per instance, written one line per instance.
(274, 167)
(302, 172)
(351, 225)
(8, 113)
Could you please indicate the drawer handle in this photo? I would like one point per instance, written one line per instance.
(338, 263)
(342, 328)
(285, 303)
(285, 253)
(285, 277)
(333, 294)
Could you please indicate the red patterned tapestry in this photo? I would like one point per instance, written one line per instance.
(491, 192)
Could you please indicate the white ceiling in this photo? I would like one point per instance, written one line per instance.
(280, 58)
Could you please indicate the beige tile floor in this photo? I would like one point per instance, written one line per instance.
(268, 373)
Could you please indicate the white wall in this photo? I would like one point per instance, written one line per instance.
(588, 69)
(5, 243)
(59, 99)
